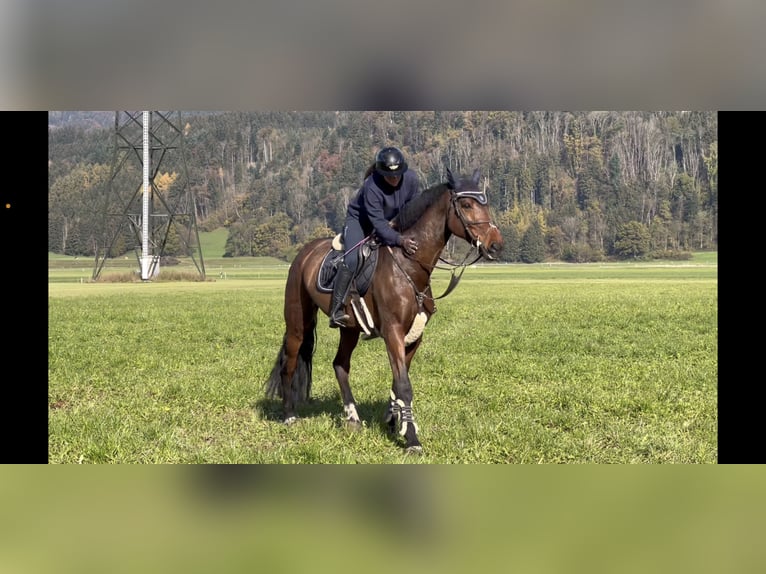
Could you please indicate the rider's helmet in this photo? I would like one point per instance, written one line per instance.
(390, 161)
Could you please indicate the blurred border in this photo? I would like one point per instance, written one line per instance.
(337, 54)
(577, 518)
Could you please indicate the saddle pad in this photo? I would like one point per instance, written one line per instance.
(328, 270)
(362, 280)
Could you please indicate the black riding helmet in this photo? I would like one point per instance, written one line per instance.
(390, 161)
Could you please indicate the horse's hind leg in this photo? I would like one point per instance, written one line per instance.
(342, 365)
(291, 375)
(279, 383)
(292, 346)
(296, 372)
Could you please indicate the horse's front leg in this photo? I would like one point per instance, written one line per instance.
(399, 413)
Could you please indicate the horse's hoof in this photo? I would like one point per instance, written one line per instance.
(414, 449)
(290, 420)
(352, 425)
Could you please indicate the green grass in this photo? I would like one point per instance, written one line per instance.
(213, 243)
(601, 363)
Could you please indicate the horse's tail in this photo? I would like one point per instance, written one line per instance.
(301, 382)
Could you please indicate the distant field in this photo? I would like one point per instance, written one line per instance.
(62, 268)
(596, 363)
(213, 243)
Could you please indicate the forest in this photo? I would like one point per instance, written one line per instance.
(573, 186)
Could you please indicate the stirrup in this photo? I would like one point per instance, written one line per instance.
(341, 321)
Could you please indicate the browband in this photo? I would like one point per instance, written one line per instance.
(477, 195)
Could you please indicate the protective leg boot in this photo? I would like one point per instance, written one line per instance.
(338, 317)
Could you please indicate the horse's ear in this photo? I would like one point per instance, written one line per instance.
(451, 179)
(475, 177)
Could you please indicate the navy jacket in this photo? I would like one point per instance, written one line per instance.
(376, 203)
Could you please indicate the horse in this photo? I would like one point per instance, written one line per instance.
(396, 305)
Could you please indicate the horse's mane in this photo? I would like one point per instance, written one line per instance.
(413, 209)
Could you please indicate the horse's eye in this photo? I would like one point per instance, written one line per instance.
(466, 204)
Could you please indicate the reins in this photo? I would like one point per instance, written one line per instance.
(454, 279)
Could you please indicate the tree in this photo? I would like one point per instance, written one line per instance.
(173, 243)
(511, 243)
(532, 249)
(632, 240)
(585, 174)
(555, 241)
(272, 238)
(72, 216)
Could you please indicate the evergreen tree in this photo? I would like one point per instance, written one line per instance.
(511, 243)
(532, 248)
(632, 241)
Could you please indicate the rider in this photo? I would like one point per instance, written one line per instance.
(387, 186)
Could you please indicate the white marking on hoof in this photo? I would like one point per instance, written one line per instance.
(415, 449)
(351, 414)
(290, 420)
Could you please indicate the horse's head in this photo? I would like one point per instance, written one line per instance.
(471, 218)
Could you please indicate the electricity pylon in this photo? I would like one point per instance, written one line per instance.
(155, 212)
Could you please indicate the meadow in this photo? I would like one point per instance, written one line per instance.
(545, 363)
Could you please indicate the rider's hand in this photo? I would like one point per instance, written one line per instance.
(409, 245)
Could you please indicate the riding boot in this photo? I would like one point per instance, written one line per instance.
(338, 316)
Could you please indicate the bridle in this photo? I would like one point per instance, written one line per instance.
(481, 198)
(475, 242)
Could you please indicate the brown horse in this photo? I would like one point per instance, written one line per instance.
(396, 306)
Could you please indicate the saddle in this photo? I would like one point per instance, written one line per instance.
(360, 283)
(368, 260)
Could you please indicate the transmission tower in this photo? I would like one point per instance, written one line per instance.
(139, 209)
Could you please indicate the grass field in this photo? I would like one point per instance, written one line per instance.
(595, 363)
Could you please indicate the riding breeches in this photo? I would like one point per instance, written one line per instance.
(352, 235)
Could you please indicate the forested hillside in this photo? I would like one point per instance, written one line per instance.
(571, 186)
